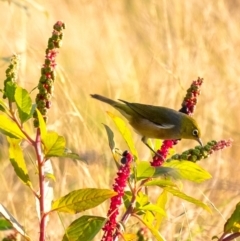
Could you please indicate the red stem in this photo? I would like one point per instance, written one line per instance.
(40, 161)
(128, 212)
(230, 237)
(13, 117)
(130, 208)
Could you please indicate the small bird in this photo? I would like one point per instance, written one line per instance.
(156, 122)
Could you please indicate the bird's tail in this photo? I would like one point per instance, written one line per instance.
(106, 100)
(127, 112)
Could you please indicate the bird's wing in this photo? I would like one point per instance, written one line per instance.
(150, 113)
(165, 126)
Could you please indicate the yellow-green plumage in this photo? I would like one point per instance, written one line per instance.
(155, 121)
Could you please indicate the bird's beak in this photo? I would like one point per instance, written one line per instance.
(200, 141)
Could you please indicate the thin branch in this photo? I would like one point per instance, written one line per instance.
(40, 160)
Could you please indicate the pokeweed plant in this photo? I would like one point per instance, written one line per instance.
(161, 172)
(130, 199)
(17, 111)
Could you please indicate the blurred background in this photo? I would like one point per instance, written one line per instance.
(140, 51)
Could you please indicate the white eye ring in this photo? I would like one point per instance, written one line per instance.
(195, 132)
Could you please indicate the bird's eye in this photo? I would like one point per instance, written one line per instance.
(195, 132)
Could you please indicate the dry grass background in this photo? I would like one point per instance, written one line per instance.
(142, 51)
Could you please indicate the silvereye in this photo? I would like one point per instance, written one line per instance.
(155, 121)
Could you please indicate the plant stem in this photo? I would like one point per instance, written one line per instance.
(28, 138)
(127, 214)
(129, 210)
(40, 161)
(230, 237)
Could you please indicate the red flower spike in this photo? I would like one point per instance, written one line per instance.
(188, 107)
(190, 100)
(47, 72)
(158, 160)
(199, 152)
(116, 201)
(221, 145)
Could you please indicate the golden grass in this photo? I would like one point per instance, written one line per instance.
(142, 51)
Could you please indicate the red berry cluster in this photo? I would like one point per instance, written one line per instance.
(220, 145)
(199, 152)
(158, 160)
(190, 100)
(119, 186)
(45, 86)
(188, 107)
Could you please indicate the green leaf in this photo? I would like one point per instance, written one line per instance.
(3, 106)
(50, 176)
(142, 199)
(10, 128)
(125, 132)
(183, 196)
(81, 200)
(5, 225)
(150, 216)
(110, 135)
(154, 231)
(84, 228)
(158, 143)
(48, 173)
(24, 103)
(14, 223)
(33, 109)
(160, 183)
(143, 204)
(42, 125)
(17, 161)
(144, 170)
(69, 154)
(161, 202)
(189, 170)
(54, 145)
(233, 223)
(127, 199)
(152, 207)
(160, 171)
(10, 90)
